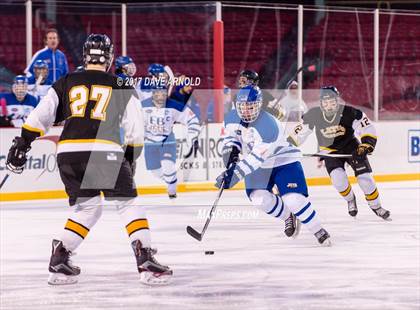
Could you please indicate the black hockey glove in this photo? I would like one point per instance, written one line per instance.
(360, 153)
(230, 155)
(5, 121)
(131, 154)
(16, 158)
(228, 178)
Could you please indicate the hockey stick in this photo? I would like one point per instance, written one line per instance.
(4, 180)
(199, 236)
(328, 155)
(309, 68)
(171, 76)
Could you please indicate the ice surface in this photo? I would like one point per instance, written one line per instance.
(372, 265)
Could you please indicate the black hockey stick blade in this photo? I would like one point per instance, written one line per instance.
(4, 180)
(328, 155)
(193, 233)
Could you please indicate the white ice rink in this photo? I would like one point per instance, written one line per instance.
(372, 264)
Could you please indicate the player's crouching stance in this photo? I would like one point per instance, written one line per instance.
(270, 161)
(335, 126)
(91, 160)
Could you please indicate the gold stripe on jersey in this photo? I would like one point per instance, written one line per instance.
(369, 135)
(324, 148)
(77, 228)
(87, 141)
(137, 225)
(373, 195)
(136, 145)
(33, 129)
(347, 191)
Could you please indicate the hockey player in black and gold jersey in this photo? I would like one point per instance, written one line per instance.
(335, 126)
(91, 159)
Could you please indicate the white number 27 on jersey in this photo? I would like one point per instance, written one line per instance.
(79, 97)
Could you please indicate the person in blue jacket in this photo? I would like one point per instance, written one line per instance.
(56, 60)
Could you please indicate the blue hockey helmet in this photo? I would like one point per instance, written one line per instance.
(248, 103)
(20, 87)
(328, 98)
(41, 68)
(126, 65)
(156, 69)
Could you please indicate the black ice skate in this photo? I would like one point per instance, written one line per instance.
(151, 272)
(323, 237)
(352, 207)
(172, 196)
(61, 269)
(291, 226)
(383, 213)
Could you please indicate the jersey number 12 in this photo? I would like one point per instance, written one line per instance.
(80, 95)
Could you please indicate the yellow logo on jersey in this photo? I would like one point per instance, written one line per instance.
(333, 131)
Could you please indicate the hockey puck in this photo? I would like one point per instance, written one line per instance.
(209, 252)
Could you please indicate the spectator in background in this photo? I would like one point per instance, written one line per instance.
(39, 84)
(16, 106)
(291, 109)
(56, 60)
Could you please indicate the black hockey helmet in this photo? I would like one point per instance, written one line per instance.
(328, 106)
(329, 92)
(251, 77)
(98, 50)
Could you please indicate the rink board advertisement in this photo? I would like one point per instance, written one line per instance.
(396, 157)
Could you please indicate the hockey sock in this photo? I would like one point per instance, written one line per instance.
(83, 218)
(368, 186)
(169, 175)
(134, 218)
(157, 173)
(302, 208)
(341, 183)
(269, 203)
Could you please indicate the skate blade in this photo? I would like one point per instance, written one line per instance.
(155, 279)
(297, 230)
(61, 279)
(327, 243)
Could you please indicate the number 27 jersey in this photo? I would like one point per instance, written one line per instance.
(95, 109)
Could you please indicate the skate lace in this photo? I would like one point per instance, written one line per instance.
(320, 233)
(69, 261)
(289, 222)
(380, 211)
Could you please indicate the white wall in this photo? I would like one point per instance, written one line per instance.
(397, 152)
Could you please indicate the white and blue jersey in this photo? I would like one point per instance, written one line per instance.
(56, 60)
(18, 111)
(159, 122)
(38, 91)
(268, 158)
(263, 142)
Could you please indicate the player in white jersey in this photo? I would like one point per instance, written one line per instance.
(39, 84)
(268, 160)
(160, 114)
